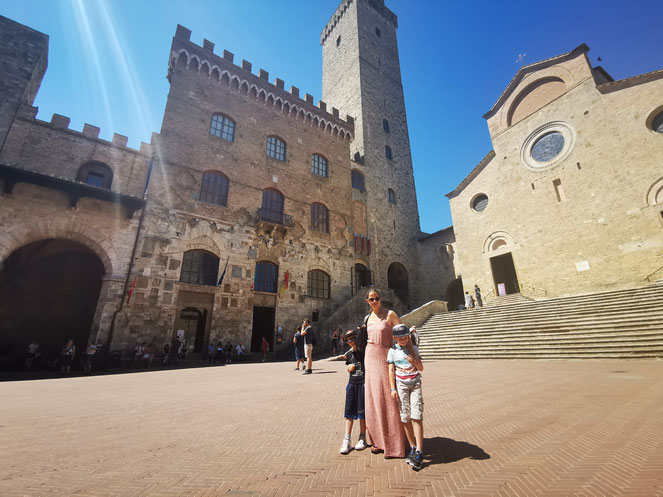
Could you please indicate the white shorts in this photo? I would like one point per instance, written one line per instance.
(308, 350)
(411, 400)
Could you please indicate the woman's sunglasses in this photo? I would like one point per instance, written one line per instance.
(372, 299)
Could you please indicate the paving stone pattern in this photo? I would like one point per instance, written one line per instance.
(521, 428)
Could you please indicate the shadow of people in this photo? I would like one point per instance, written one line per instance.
(440, 450)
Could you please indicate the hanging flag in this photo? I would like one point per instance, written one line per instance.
(286, 279)
(131, 290)
(254, 280)
(224, 272)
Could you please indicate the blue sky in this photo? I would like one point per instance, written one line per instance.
(108, 61)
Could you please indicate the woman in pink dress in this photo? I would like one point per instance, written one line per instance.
(383, 420)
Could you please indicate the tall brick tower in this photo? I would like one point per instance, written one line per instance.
(361, 76)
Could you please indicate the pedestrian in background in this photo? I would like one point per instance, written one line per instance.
(477, 294)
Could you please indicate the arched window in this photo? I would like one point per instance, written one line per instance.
(319, 165)
(272, 205)
(358, 180)
(267, 274)
(657, 123)
(214, 189)
(276, 148)
(95, 174)
(392, 196)
(318, 284)
(319, 218)
(385, 125)
(199, 267)
(387, 152)
(223, 127)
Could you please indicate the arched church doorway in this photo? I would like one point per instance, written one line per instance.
(455, 295)
(504, 274)
(398, 281)
(48, 293)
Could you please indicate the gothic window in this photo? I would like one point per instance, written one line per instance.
(385, 125)
(266, 277)
(318, 284)
(272, 205)
(319, 218)
(214, 189)
(392, 196)
(275, 148)
(319, 165)
(199, 268)
(95, 174)
(358, 180)
(222, 127)
(387, 152)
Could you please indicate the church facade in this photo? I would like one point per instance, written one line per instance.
(570, 199)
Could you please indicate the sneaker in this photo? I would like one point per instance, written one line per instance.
(410, 457)
(308, 371)
(361, 444)
(418, 461)
(345, 448)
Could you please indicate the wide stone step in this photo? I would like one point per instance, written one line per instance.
(528, 338)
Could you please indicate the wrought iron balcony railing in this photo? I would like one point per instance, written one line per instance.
(274, 217)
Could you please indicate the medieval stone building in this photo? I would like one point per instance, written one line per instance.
(253, 208)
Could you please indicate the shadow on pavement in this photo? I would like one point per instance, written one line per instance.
(440, 450)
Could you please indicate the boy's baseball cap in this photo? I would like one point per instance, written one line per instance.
(350, 334)
(400, 330)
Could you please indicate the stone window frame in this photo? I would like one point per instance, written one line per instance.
(358, 180)
(266, 277)
(98, 169)
(320, 165)
(564, 128)
(391, 196)
(223, 127)
(655, 114)
(214, 188)
(199, 267)
(388, 153)
(318, 284)
(476, 199)
(276, 148)
(319, 217)
(272, 205)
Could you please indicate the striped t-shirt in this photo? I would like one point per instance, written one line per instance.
(405, 371)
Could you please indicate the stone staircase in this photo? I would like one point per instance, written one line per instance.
(619, 324)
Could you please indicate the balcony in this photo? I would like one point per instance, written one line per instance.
(273, 218)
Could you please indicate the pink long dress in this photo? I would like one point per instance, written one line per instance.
(383, 420)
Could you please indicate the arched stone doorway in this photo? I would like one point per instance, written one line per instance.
(397, 280)
(455, 295)
(49, 291)
(193, 323)
(361, 277)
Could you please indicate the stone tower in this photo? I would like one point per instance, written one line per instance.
(361, 76)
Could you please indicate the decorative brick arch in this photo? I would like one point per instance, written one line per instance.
(203, 242)
(20, 235)
(498, 242)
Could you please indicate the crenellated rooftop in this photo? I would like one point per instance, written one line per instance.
(377, 5)
(29, 113)
(223, 70)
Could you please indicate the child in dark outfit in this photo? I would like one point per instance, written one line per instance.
(354, 394)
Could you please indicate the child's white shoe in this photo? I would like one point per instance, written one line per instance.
(361, 444)
(345, 448)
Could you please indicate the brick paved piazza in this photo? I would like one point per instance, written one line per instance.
(519, 428)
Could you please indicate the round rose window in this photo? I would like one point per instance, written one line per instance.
(547, 147)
